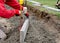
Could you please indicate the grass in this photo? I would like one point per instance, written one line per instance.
(47, 2)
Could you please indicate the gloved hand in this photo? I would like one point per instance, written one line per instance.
(17, 12)
(25, 12)
(27, 15)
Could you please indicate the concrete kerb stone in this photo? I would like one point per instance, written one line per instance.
(23, 30)
(2, 35)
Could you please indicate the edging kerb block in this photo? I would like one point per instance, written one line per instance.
(23, 30)
(2, 35)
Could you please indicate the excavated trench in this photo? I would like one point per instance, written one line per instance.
(44, 28)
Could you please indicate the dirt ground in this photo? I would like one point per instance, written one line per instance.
(13, 35)
(40, 31)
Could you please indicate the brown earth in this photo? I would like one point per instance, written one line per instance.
(44, 28)
(13, 36)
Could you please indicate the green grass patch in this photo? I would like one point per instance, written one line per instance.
(49, 11)
(51, 3)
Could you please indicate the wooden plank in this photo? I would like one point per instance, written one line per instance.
(23, 30)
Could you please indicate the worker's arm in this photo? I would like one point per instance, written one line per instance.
(14, 4)
(8, 13)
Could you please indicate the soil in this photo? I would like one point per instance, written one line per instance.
(14, 35)
(44, 28)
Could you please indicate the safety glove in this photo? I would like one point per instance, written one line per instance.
(17, 12)
(27, 15)
(25, 12)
